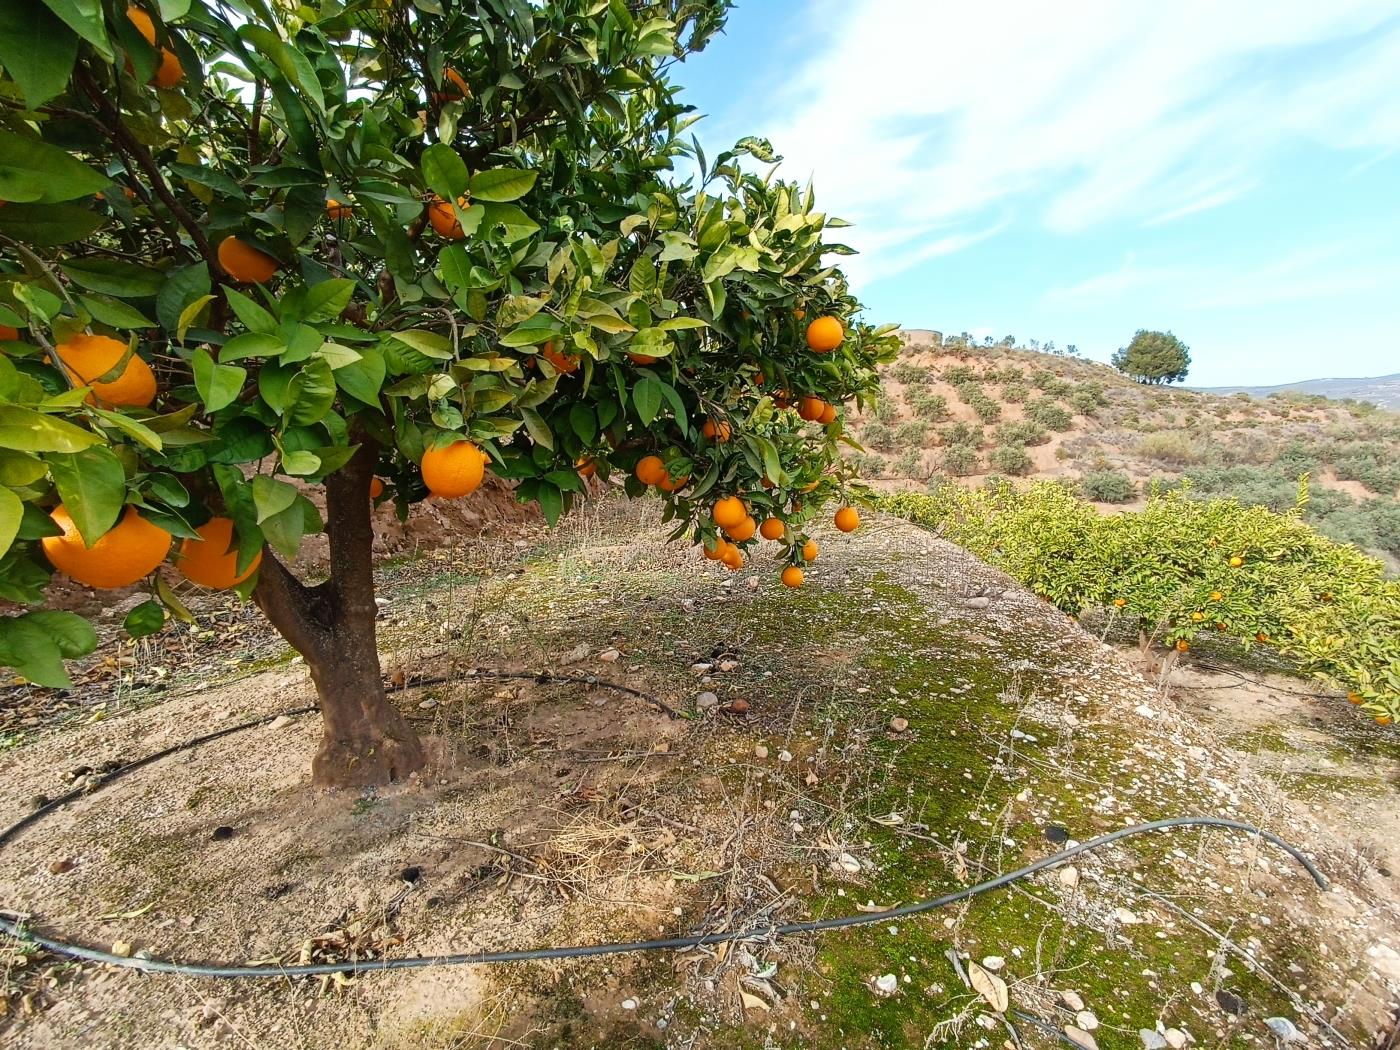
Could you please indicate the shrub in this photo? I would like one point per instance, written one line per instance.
(1048, 414)
(1020, 432)
(1084, 402)
(1010, 459)
(929, 406)
(911, 434)
(988, 411)
(910, 374)
(878, 436)
(866, 464)
(1108, 486)
(1044, 378)
(1173, 447)
(960, 460)
(1015, 392)
(909, 464)
(963, 434)
(956, 375)
(884, 410)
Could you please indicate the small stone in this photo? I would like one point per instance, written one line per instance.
(1230, 1002)
(1072, 1000)
(1069, 876)
(1176, 1038)
(575, 655)
(993, 963)
(739, 707)
(848, 864)
(1079, 1037)
(898, 725)
(1056, 834)
(609, 656)
(222, 833)
(760, 751)
(122, 948)
(702, 668)
(411, 875)
(728, 665)
(810, 779)
(706, 700)
(886, 984)
(280, 722)
(1086, 1020)
(1152, 1039)
(784, 756)
(1124, 916)
(980, 602)
(1285, 1029)
(61, 867)
(428, 704)
(629, 1004)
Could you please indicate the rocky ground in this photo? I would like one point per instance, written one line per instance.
(908, 723)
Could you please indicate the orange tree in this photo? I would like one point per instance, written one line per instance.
(249, 249)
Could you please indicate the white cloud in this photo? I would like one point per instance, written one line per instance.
(924, 120)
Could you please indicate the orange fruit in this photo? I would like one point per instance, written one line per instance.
(772, 529)
(90, 356)
(1221, 627)
(716, 550)
(209, 562)
(169, 72)
(564, 364)
(729, 512)
(143, 23)
(718, 432)
(670, 484)
(799, 313)
(1382, 720)
(1216, 596)
(1354, 698)
(128, 551)
(828, 415)
(336, 211)
(810, 550)
(454, 470)
(376, 488)
(586, 467)
(245, 263)
(847, 519)
(1236, 562)
(444, 219)
(733, 557)
(825, 334)
(1261, 637)
(1198, 617)
(7, 333)
(650, 470)
(453, 86)
(642, 359)
(1120, 602)
(792, 576)
(743, 531)
(1183, 645)
(811, 408)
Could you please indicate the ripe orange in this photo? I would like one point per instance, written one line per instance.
(336, 211)
(1216, 596)
(772, 529)
(718, 432)
(209, 562)
(143, 23)
(670, 484)
(828, 415)
(128, 551)
(1183, 645)
(90, 356)
(245, 263)
(650, 470)
(729, 512)
(792, 576)
(1354, 698)
(376, 488)
(564, 364)
(1221, 627)
(1236, 562)
(799, 313)
(1120, 602)
(586, 467)
(169, 72)
(1261, 637)
(7, 333)
(847, 519)
(444, 219)
(743, 531)
(733, 557)
(810, 550)
(825, 334)
(715, 551)
(454, 470)
(1382, 720)
(642, 359)
(811, 408)
(453, 86)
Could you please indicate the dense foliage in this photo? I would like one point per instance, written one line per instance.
(1154, 357)
(1181, 567)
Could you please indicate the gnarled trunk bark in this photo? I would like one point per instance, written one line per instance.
(365, 740)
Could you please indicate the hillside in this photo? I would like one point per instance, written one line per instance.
(970, 413)
(1381, 390)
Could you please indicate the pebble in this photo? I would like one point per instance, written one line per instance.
(760, 751)
(1124, 916)
(898, 725)
(609, 656)
(1069, 876)
(702, 668)
(848, 863)
(1072, 1000)
(886, 984)
(784, 756)
(1176, 1038)
(739, 707)
(629, 1004)
(993, 962)
(1079, 1037)
(728, 665)
(1152, 1039)
(122, 948)
(428, 704)
(1086, 1020)
(280, 722)
(705, 700)
(61, 867)
(980, 602)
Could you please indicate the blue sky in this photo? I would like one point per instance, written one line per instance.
(1074, 172)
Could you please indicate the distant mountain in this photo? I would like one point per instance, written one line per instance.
(1383, 390)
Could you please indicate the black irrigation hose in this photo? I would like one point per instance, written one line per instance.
(542, 678)
(16, 928)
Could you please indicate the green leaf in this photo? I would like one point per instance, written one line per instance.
(114, 313)
(429, 344)
(37, 524)
(513, 223)
(133, 429)
(84, 17)
(92, 485)
(674, 324)
(284, 530)
(219, 385)
(146, 619)
(33, 171)
(253, 316)
(19, 469)
(251, 344)
(11, 515)
(363, 379)
(538, 428)
(310, 393)
(181, 287)
(325, 300)
(37, 50)
(35, 643)
(444, 171)
(189, 314)
(301, 463)
(295, 66)
(30, 431)
(551, 502)
(583, 422)
(172, 601)
(646, 396)
(611, 325)
(271, 496)
(502, 184)
(114, 277)
(45, 225)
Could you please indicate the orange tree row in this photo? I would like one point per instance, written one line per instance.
(1181, 567)
(382, 250)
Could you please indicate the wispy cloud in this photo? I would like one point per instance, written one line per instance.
(937, 124)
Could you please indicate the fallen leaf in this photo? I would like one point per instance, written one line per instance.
(128, 914)
(752, 1002)
(989, 986)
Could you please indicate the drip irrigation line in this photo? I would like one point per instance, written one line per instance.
(544, 678)
(17, 928)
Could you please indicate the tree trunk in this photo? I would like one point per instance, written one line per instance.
(365, 741)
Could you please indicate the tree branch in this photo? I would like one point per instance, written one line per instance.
(351, 528)
(297, 611)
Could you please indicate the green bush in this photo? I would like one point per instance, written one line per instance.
(1044, 379)
(1020, 432)
(911, 434)
(1015, 392)
(884, 410)
(909, 464)
(960, 460)
(1010, 459)
(929, 406)
(878, 436)
(1173, 447)
(1084, 402)
(964, 434)
(1108, 486)
(1048, 414)
(956, 375)
(988, 411)
(909, 374)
